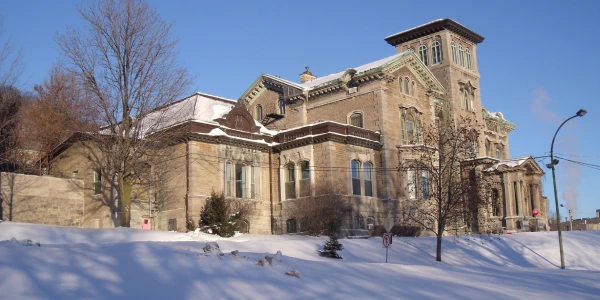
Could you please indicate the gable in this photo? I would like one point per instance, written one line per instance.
(416, 67)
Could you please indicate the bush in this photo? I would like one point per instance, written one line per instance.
(331, 247)
(222, 216)
(404, 230)
(378, 230)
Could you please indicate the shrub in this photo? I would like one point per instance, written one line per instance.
(404, 230)
(331, 247)
(222, 216)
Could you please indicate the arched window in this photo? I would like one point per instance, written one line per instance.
(304, 179)
(240, 180)
(412, 89)
(356, 119)
(259, 113)
(290, 181)
(436, 52)
(405, 85)
(468, 52)
(423, 54)
(356, 177)
(461, 55)
(466, 101)
(281, 107)
(453, 47)
(425, 183)
(367, 176)
(403, 128)
(291, 226)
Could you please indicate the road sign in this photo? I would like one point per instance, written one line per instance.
(387, 240)
(535, 212)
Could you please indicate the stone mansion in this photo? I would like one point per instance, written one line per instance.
(346, 132)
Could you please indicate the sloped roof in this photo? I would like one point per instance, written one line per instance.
(510, 163)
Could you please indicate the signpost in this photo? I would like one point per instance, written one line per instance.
(387, 237)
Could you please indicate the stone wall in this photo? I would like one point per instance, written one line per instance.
(41, 199)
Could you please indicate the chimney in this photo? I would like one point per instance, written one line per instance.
(307, 76)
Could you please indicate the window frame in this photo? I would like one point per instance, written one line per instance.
(468, 58)
(461, 55)
(436, 52)
(368, 178)
(290, 181)
(411, 186)
(356, 178)
(425, 183)
(356, 116)
(423, 54)
(97, 181)
(453, 49)
(288, 225)
(304, 180)
(281, 106)
(259, 113)
(241, 181)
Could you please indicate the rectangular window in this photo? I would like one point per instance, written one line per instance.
(411, 184)
(355, 178)
(304, 179)
(425, 183)
(240, 181)
(368, 179)
(410, 132)
(290, 182)
(228, 180)
(495, 203)
(252, 183)
(515, 187)
(356, 120)
(97, 181)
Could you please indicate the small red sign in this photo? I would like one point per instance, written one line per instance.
(387, 240)
(536, 212)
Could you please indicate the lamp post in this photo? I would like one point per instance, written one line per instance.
(551, 165)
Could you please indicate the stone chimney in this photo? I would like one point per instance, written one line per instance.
(307, 76)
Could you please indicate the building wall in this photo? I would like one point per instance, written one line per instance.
(42, 199)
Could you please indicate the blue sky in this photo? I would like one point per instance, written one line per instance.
(537, 63)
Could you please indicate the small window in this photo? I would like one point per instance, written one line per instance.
(436, 52)
(291, 226)
(410, 129)
(425, 183)
(461, 55)
(405, 85)
(228, 179)
(403, 128)
(498, 154)
(356, 178)
(252, 182)
(413, 88)
(356, 120)
(453, 47)
(411, 184)
(468, 54)
(97, 181)
(495, 203)
(370, 220)
(304, 179)
(240, 181)
(360, 222)
(423, 54)
(466, 101)
(172, 225)
(244, 226)
(367, 175)
(281, 106)
(259, 113)
(290, 181)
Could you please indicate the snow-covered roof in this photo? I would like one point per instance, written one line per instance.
(511, 163)
(311, 84)
(407, 30)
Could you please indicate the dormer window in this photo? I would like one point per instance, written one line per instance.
(356, 119)
(281, 106)
(259, 113)
(436, 52)
(423, 54)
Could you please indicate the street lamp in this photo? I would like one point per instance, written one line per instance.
(551, 165)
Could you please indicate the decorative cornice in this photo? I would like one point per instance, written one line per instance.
(431, 28)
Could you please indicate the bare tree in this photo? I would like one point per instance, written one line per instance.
(323, 214)
(125, 58)
(11, 67)
(440, 195)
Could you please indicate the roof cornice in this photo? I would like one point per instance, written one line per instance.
(433, 27)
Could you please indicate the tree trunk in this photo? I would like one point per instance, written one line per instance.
(440, 234)
(126, 202)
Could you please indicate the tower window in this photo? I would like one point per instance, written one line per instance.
(423, 54)
(461, 55)
(453, 47)
(281, 106)
(468, 54)
(356, 120)
(259, 113)
(436, 52)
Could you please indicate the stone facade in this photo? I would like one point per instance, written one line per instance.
(349, 133)
(41, 199)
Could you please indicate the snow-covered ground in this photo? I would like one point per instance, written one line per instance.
(134, 264)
